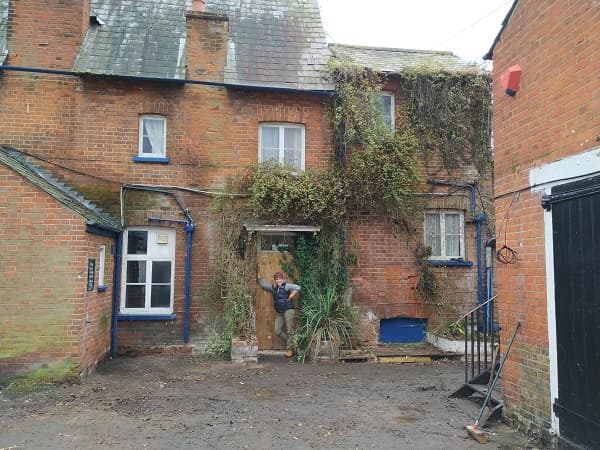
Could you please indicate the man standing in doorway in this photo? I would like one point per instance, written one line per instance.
(284, 295)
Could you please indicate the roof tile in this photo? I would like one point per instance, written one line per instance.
(62, 193)
(396, 60)
(142, 39)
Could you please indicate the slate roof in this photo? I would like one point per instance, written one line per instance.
(278, 43)
(396, 60)
(91, 213)
(136, 38)
(3, 30)
(271, 43)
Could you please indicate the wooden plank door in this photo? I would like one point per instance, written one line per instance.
(268, 263)
(576, 240)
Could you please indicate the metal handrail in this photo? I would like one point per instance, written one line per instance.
(474, 309)
(479, 335)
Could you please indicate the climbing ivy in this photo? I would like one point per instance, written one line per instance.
(375, 170)
(450, 112)
(232, 286)
(428, 288)
(279, 194)
(380, 168)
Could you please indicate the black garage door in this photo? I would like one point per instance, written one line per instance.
(576, 228)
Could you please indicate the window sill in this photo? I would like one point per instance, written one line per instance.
(132, 317)
(153, 160)
(102, 288)
(449, 263)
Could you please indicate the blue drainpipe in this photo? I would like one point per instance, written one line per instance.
(478, 219)
(189, 230)
(116, 288)
(489, 281)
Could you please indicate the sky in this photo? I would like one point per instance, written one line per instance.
(465, 27)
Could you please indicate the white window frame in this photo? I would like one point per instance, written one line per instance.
(162, 153)
(392, 108)
(442, 215)
(282, 127)
(101, 258)
(160, 247)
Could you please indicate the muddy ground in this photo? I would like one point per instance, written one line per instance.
(164, 402)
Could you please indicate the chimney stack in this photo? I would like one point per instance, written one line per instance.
(198, 5)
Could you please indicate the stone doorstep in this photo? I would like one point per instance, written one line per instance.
(244, 352)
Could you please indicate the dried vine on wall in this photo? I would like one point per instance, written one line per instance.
(377, 170)
(450, 112)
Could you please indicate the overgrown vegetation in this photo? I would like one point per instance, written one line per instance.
(376, 171)
(278, 194)
(450, 112)
(428, 288)
(379, 165)
(43, 378)
(232, 288)
(326, 314)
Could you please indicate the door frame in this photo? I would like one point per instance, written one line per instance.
(542, 179)
(265, 229)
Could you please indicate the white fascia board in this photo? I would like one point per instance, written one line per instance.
(566, 169)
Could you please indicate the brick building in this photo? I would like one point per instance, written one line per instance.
(56, 262)
(547, 161)
(149, 117)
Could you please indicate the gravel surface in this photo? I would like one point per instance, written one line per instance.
(160, 402)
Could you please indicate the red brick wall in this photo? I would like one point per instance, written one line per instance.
(385, 278)
(206, 50)
(553, 115)
(211, 134)
(47, 314)
(46, 34)
(96, 306)
(91, 126)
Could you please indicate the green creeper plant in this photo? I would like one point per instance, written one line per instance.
(380, 166)
(450, 112)
(376, 170)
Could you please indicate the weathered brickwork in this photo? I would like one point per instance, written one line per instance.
(47, 34)
(385, 278)
(90, 126)
(47, 314)
(553, 115)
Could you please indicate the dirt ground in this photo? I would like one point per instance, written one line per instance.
(160, 402)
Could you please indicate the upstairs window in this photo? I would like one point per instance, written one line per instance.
(148, 271)
(445, 234)
(152, 138)
(388, 108)
(283, 143)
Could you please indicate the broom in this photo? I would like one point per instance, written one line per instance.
(473, 430)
